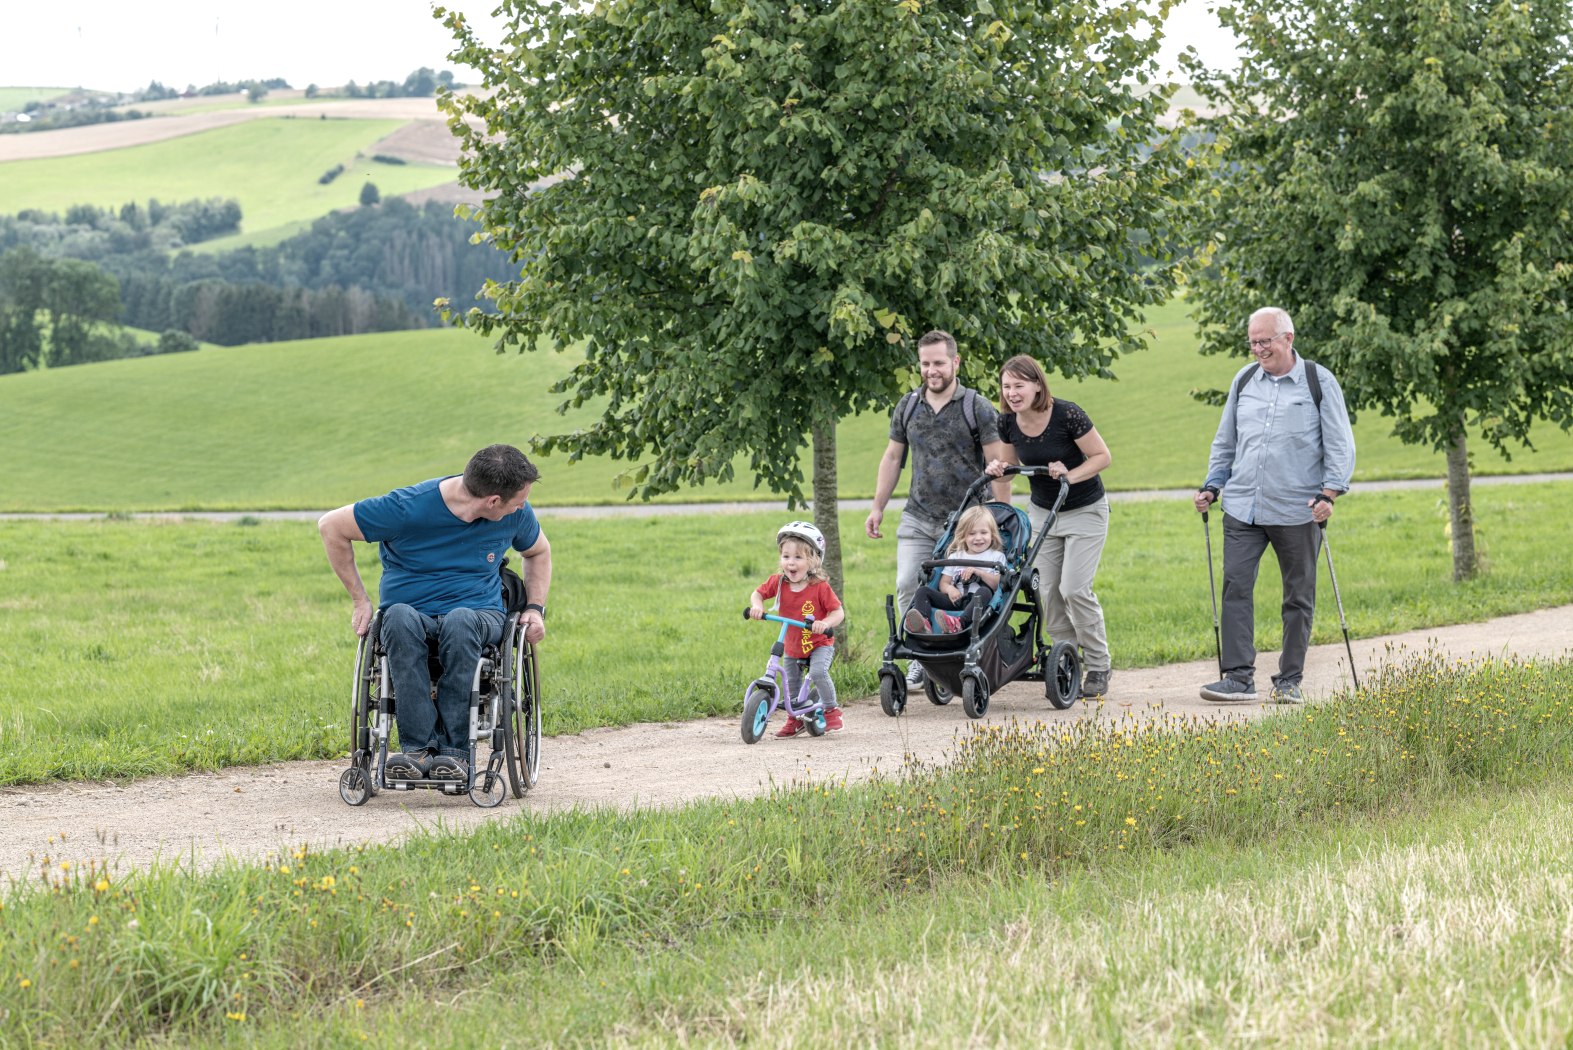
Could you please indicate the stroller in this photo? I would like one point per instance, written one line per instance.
(990, 651)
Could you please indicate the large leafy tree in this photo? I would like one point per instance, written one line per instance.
(747, 211)
(1400, 177)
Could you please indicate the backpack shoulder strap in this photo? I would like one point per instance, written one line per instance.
(969, 409)
(1313, 383)
(906, 408)
(1239, 388)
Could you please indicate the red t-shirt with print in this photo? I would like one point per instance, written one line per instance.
(816, 599)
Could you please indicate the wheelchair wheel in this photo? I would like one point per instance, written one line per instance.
(355, 786)
(892, 693)
(363, 713)
(523, 743)
(758, 702)
(1062, 675)
(974, 695)
(488, 790)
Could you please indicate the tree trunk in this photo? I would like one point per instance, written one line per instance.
(1462, 512)
(825, 516)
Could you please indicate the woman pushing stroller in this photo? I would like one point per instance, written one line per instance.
(1040, 430)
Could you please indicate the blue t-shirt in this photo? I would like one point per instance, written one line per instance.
(433, 561)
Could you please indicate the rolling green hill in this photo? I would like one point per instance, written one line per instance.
(319, 423)
(17, 97)
(271, 166)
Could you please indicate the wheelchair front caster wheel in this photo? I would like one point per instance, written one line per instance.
(354, 786)
(489, 790)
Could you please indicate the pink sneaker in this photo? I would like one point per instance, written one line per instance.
(833, 720)
(792, 728)
(950, 622)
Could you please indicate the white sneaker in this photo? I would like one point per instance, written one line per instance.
(914, 673)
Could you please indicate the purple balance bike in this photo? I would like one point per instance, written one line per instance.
(769, 691)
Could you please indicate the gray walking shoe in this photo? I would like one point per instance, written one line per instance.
(914, 673)
(1095, 683)
(1230, 691)
(1287, 694)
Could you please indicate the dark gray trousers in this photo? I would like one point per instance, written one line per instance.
(1296, 547)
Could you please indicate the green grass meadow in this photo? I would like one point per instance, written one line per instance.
(17, 97)
(319, 423)
(270, 166)
(1382, 870)
(144, 647)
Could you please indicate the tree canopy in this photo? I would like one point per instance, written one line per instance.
(1400, 177)
(748, 211)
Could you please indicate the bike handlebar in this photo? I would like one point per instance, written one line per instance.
(806, 624)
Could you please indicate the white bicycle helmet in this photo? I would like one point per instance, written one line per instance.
(805, 531)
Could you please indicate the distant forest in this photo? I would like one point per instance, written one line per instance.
(372, 269)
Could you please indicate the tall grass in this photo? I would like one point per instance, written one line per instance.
(174, 953)
(275, 429)
(135, 648)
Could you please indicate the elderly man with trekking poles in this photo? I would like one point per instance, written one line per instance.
(1284, 452)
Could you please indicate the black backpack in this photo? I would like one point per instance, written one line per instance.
(908, 407)
(514, 597)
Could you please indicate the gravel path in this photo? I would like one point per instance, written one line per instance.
(250, 813)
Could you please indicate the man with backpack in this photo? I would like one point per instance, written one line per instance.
(1283, 453)
(952, 433)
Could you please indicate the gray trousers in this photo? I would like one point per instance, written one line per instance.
(1067, 562)
(818, 666)
(1243, 545)
(915, 539)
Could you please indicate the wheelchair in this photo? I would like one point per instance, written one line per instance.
(505, 722)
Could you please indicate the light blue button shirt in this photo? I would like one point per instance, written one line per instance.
(1272, 453)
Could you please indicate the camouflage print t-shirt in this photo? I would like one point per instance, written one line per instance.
(945, 460)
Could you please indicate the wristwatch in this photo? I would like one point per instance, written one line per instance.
(538, 607)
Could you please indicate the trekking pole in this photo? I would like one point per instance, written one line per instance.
(1212, 585)
(1340, 600)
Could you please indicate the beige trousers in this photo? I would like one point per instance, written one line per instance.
(1067, 562)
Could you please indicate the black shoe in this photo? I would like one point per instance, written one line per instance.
(1096, 683)
(407, 765)
(448, 768)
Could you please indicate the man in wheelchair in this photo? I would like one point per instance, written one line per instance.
(442, 545)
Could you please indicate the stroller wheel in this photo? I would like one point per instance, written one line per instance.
(974, 696)
(892, 693)
(1062, 675)
(936, 693)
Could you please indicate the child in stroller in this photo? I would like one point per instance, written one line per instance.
(990, 650)
(962, 588)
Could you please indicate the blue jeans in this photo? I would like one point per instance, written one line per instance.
(460, 634)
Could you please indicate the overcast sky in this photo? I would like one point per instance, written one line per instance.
(118, 45)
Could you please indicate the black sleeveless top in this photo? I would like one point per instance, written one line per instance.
(1067, 422)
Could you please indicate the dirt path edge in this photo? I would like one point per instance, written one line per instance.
(250, 813)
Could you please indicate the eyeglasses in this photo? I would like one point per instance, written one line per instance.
(1262, 344)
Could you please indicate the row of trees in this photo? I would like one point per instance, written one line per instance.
(62, 311)
(372, 269)
(770, 202)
